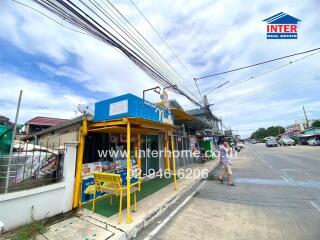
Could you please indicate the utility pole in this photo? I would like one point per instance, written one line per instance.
(12, 141)
(305, 114)
(221, 125)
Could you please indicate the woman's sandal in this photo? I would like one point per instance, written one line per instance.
(232, 185)
(221, 180)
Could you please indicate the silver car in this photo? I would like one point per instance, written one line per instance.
(314, 141)
(286, 141)
(271, 143)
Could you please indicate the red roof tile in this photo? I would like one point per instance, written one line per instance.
(46, 121)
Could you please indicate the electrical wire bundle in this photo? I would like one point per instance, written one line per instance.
(103, 21)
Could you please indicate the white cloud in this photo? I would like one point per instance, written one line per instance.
(38, 99)
(208, 36)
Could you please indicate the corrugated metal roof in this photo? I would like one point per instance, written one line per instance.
(65, 124)
(200, 111)
(197, 111)
(310, 132)
(46, 121)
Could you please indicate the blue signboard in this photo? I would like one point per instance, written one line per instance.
(129, 105)
(87, 191)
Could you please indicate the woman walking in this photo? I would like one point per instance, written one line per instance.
(225, 160)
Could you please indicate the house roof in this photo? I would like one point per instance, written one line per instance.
(197, 124)
(315, 131)
(46, 121)
(281, 18)
(200, 111)
(4, 120)
(65, 124)
(196, 111)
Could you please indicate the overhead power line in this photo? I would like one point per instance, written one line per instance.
(257, 64)
(267, 72)
(163, 40)
(159, 35)
(219, 86)
(25, 5)
(167, 45)
(266, 96)
(112, 28)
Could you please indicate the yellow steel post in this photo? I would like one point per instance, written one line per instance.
(128, 173)
(138, 155)
(139, 162)
(136, 150)
(166, 151)
(78, 178)
(173, 163)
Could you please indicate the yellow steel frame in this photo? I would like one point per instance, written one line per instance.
(78, 177)
(136, 126)
(166, 151)
(173, 162)
(108, 182)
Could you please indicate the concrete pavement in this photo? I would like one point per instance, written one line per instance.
(277, 197)
(87, 225)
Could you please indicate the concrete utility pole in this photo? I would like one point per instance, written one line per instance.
(221, 125)
(305, 114)
(12, 141)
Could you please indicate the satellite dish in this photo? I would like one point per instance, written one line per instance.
(84, 109)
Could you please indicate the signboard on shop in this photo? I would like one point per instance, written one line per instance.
(129, 105)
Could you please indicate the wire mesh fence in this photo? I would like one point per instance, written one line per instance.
(32, 165)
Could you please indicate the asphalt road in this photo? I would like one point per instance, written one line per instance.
(277, 197)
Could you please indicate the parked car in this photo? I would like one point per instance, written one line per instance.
(253, 141)
(314, 141)
(286, 141)
(271, 143)
(240, 144)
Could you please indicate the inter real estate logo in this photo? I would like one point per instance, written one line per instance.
(282, 26)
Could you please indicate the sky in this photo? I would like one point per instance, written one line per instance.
(57, 68)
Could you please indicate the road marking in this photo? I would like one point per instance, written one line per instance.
(172, 214)
(284, 178)
(315, 206)
(279, 182)
(285, 175)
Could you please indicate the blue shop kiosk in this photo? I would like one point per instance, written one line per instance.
(130, 115)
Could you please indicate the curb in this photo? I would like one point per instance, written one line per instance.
(132, 233)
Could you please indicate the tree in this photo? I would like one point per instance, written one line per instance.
(259, 134)
(316, 123)
(262, 133)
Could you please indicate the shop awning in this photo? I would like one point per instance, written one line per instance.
(311, 132)
(138, 125)
(182, 117)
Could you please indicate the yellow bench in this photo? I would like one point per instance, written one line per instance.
(112, 184)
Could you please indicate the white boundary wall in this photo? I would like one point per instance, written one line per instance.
(17, 208)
